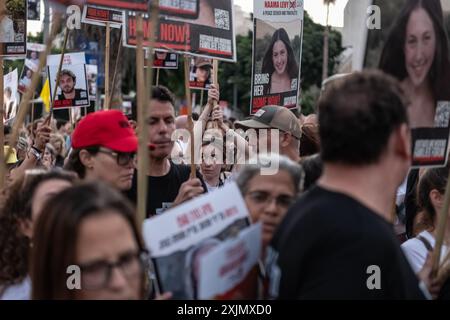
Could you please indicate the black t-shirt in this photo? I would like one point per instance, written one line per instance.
(325, 247)
(163, 190)
(79, 94)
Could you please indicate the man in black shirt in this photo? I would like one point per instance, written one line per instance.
(67, 83)
(168, 183)
(337, 241)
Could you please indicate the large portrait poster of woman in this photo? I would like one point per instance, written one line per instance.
(413, 47)
(277, 43)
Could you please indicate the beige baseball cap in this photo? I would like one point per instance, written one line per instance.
(272, 117)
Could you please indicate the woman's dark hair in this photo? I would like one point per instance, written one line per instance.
(393, 56)
(57, 231)
(74, 163)
(432, 179)
(14, 246)
(291, 67)
(310, 140)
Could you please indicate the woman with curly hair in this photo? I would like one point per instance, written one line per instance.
(22, 204)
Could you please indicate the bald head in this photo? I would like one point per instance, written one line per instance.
(181, 122)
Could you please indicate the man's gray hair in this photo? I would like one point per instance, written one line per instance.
(249, 171)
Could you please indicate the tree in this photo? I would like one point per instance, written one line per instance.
(312, 60)
(16, 8)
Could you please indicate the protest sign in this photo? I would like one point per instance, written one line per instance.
(13, 27)
(135, 5)
(431, 144)
(180, 8)
(164, 60)
(72, 90)
(430, 147)
(428, 110)
(33, 53)
(100, 16)
(230, 270)
(201, 73)
(209, 35)
(100, 12)
(192, 228)
(10, 97)
(34, 10)
(25, 77)
(92, 73)
(277, 47)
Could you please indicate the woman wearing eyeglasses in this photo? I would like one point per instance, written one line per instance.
(88, 246)
(104, 148)
(268, 196)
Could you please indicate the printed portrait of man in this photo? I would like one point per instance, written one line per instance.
(67, 82)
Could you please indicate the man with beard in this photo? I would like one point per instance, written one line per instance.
(168, 183)
(69, 95)
(67, 83)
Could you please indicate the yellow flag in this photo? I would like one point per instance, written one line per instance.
(45, 95)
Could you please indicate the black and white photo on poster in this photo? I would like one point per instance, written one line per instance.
(34, 10)
(13, 28)
(92, 75)
(10, 95)
(34, 51)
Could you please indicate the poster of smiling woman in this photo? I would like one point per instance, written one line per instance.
(414, 47)
(277, 47)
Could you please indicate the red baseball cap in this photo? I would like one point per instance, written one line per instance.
(109, 129)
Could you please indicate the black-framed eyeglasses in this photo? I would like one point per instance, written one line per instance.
(122, 158)
(97, 275)
(262, 197)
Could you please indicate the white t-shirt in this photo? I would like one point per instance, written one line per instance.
(20, 291)
(416, 252)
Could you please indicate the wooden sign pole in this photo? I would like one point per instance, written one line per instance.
(58, 76)
(113, 85)
(144, 94)
(157, 76)
(107, 53)
(215, 81)
(187, 63)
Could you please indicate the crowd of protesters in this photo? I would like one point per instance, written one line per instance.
(326, 213)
